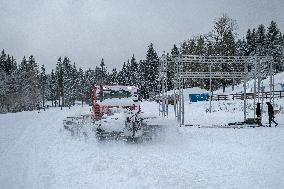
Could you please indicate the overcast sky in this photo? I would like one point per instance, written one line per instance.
(87, 30)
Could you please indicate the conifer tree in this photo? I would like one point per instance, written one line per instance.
(113, 76)
(152, 71)
(43, 83)
(122, 76)
(52, 85)
(275, 45)
(81, 85)
(171, 68)
(68, 83)
(29, 79)
(59, 81)
(260, 41)
(143, 93)
(133, 71)
(90, 81)
(174, 51)
(3, 60)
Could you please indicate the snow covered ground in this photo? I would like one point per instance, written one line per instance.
(35, 152)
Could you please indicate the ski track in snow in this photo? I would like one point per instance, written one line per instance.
(36, 152)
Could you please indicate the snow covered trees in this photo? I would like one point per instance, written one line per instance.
(30, 86)
(19, 86)
(151, 72)
(268, 41)
(69, 84)
(43, 84)
(222, 40)
(23, 86)
(52, 88)
(275, 45)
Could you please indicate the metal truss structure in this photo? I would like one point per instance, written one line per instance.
(248, 68)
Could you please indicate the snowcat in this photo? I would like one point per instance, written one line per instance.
(116, 112)
(115, 115)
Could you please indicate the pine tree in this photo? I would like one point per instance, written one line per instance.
(53, 88)
(174, 51)
(29, 88)
(209, 48)
(59, 81)
(152, 71)
(133, 71)
(68, 83)
(200, 46)
(34, 81)
(260, 41)
(9, 65)
(229, 44)
(249, 42)
(43, 84)
(113, 77)
(75, 84)
(3, 58)
(142, 68)
(275, 45)
(81, 85)
(127, 76)
(171, 68)
(4, 84)
(122, 75)
(253, 42)
(103, 73)
(241, 47)
(3, 91)
(188, 47)
(89, 82)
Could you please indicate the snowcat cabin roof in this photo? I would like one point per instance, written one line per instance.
(116, 92)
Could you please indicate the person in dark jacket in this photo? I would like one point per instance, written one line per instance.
(258, 114)
(271, 114)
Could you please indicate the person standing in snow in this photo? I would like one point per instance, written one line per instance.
(258, 114)
(271, 114)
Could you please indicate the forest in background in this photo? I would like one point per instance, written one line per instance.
(27, 86)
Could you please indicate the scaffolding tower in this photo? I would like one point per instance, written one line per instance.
(254, 68)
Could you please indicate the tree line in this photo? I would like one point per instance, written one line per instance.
(224, 40)
(26, 86)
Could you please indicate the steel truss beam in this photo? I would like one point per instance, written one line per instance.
(188, 75)
(254, 67)
(217, 59)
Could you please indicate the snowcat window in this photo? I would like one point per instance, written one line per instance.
(109, 94)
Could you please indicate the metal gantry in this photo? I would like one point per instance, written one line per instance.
(249, 67)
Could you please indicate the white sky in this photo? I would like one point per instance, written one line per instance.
(87, 30)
